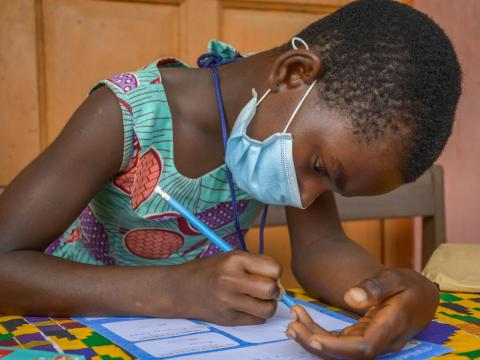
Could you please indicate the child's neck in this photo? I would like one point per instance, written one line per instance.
(239, 78)
(192, 101)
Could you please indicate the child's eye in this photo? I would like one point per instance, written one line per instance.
(319, 168)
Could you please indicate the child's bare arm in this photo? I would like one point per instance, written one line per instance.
(235, 288)
(320, 248)
(43, 201)
(47, 196)
(396, 303)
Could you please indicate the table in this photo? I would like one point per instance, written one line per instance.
(456, 325)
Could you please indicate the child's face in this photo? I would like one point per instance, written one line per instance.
(322, 138)
(328, 157)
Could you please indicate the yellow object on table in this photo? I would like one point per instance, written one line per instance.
(455, 267)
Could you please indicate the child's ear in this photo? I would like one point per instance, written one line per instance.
(294, 68)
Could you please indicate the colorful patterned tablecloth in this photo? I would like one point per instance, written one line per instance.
(456, 325)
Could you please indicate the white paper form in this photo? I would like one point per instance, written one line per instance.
(182, 339)
(147, 329)
(274, 329)
(186, 344)
(285, 350)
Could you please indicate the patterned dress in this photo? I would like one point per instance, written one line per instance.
(126, 223)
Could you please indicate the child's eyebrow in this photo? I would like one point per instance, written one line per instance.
(339, 177)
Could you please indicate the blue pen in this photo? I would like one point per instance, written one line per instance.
(205, 230)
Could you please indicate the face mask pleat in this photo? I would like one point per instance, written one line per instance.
(264, 169)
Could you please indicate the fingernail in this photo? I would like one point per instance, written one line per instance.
(293, 315)
(316, 345)
(281, 291)
(291, 334)
(358, 295)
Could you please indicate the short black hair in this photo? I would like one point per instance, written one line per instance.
(389, 66)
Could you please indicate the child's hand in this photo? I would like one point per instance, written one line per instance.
(236, 288)
(400, 303)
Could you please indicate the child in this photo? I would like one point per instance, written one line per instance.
(365, 98)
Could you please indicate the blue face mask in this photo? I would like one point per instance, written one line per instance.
(264, 169)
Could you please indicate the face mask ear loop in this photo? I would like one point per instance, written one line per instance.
(300, 40)
(298, 106)
(294, 39)
(264, 96)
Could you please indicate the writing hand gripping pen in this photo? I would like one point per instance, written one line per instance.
(208, 233)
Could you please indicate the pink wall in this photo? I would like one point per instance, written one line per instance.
(461, 159)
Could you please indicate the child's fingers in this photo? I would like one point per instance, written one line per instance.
(364, 345)
(358, 328)
(256, 286)
(259, 264)
(299, 332)
(361, 326)
(341, 346)
(375, 290)
(263, 309)
(299, 313)
(303, 336)
(333, 345)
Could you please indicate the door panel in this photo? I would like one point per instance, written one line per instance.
(19, 127)
(86, 41)
(265, 28)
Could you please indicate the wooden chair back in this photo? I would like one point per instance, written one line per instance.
(423, 198)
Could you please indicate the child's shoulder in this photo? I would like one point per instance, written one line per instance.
(126, 83)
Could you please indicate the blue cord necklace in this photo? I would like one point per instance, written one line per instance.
(212, 61)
